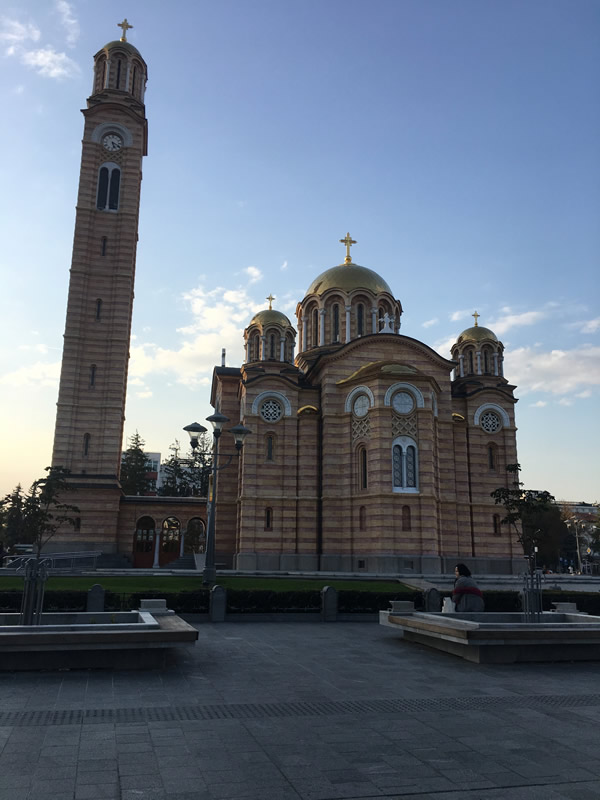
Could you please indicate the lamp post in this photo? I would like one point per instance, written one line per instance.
(239, 432)
(573, 523)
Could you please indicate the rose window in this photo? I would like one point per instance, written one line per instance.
(271, 411)
(403, 402)
(490, 422)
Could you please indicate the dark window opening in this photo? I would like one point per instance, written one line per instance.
(272, 346)
(362, 563)
(336, 323)
(268, 519)
(102, 188)
(113, 196)
(362, 518)
(77, 523)
(360, 320)
(119, 74)
(362, 460)
(93, 375)
(98, 309)
(491, 457)
(133, 80)
(86, 444)
(496, 521)
(315, 328)
(486, 362)
(411, 467)
(270, 448)
(471, 368)
(103, 246)
(406, 525)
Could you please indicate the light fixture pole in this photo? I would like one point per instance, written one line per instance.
(574, 523)
(239, 432)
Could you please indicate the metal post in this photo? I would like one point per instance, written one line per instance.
(210, 571)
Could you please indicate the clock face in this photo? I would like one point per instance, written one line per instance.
(361, 405)
(112, 142)
(403, 402)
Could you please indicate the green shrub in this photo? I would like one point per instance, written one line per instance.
(264, 601)
(351, 602)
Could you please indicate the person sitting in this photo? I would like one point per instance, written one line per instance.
(466, 594)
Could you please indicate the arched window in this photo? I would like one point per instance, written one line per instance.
(133, 81)
(118, 84)
(496, 523)
(335, 326)
(470, 362)
(255, 347)
(92, 375)
(86, 444)
(360, 320)
(315, 328)
(486, 361)
(362, 518)
(268, 518)
(103, 246)
(109, 182)
(492, 456)
(363, 480)
(269, 447)
(195, 536)
(98, 309)
(271, 346)
(406, 518)
(405, 467)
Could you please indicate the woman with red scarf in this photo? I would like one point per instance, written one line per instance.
(466, 594)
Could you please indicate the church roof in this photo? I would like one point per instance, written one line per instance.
(270, 317)
(348, 277)
(476, 334)
(127, 46)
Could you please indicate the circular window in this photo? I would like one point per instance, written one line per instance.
(271, 411)
(490, 422)
(403, 402)
(361, 405)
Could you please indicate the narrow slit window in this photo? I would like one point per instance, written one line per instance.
(336, 323)
(362, 462)
(98, 310)
(103, 246)
(268, 519)
(272, 346)
(491, 457)
(119, 74)
(102, 188)
(113, 196)
(362, 518)
(86, 444)
(270, 448)
(92, 375)
(406, 524)
(133, 81)
(360, 320)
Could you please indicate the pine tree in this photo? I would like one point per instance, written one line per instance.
(135, 466)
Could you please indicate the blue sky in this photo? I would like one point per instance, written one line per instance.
(456, 141)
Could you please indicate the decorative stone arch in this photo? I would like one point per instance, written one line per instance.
(354, 393)
(112, 127)
(404, 387)
(268, 395)
(492, 407)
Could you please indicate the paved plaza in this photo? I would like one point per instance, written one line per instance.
(282, 711)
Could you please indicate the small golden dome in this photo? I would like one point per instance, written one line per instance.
(476, 334)
(270, 317)
(348, 277)
(119, 44)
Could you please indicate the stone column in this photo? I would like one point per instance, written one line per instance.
(282, 348)
(495, 363)
(304, 331)
(156, 563)
(374, 320)
(348, 322)
(263, 348)
(321, 327)
(479, 362)
(461, 365)
(107, 74)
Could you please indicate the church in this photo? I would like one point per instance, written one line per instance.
(369, 451)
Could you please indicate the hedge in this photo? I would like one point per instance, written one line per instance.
(264, 601)
(351, 602)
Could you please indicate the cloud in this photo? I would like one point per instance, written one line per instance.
(36, 348)
(591, 326)
(456, 315)
(144, 395)
(564, 401)
(539, 404)
(38, 374)
(16, 32)
(508, 321)
(558, 372)
(585, 393)
(68, 20)
(430, 322)
(253, 273)
(284, 266)
(443, 346)
(49, 63)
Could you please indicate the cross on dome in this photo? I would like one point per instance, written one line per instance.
(125, 26)
(270, 298)
(348, 241)
(476, 315)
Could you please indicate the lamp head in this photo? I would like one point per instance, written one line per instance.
(217, 420)
(239, 434)
(194, 430)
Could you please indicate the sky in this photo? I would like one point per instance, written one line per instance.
(457, 141)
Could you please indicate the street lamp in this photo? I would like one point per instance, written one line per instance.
(573, 523)
(239, 432)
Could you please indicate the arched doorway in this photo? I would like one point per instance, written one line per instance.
(195, 537)
(144, 542)
(170, 541)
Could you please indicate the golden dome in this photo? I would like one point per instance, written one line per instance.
(121, 45)
(270, 317)
(348, 277)
(476, 334)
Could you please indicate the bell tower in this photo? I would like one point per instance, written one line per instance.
(91, 399)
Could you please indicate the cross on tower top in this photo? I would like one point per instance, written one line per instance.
(125, 26)
(270, 298)
(348, 241)
(476, 315)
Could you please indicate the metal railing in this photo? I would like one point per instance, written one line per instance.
(53, 560)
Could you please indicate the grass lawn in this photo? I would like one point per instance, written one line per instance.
(158, 583)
